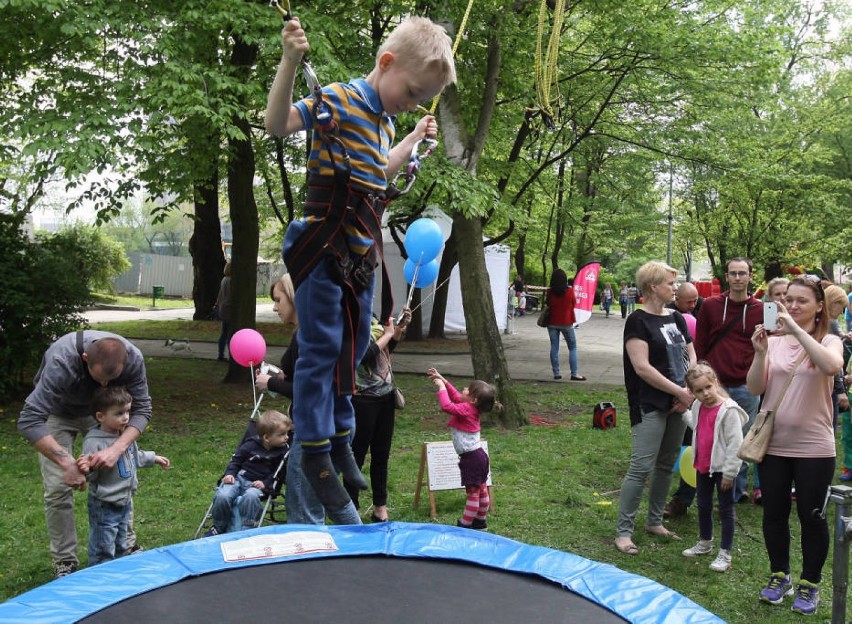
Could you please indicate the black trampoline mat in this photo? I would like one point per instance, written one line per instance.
(358, 590)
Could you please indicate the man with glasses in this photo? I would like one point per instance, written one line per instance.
(723, 338)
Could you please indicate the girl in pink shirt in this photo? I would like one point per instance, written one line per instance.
(464, 408)
(717, 422)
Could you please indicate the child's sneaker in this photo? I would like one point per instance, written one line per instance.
(722, 562)
(779, 585)
(757, 497)
(846, 475)
(807, 598)
(210, 532)
(702, 547)
(479, 525)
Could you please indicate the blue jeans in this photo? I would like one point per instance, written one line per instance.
(303, 506)
(107, 530)
(320, 413)
(223, 339)
(704, 486)
(655, 446)
(570, 339)
(249, 504)
(751, 405)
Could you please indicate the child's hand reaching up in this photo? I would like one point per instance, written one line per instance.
(436, 377)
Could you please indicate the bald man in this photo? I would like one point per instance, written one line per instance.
(57, 411)
(687, 300)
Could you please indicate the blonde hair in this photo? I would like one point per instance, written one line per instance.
(703, 369)
(421, 44)
(653, 273)
(835, 296)
(775, 281)
(272, 420)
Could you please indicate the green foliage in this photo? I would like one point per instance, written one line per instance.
(88, 253)
(45, 287)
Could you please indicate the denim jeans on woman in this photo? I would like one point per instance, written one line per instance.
(555, 331)
(750, 405)
(656, 445)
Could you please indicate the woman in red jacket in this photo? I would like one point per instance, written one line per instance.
(560, 298)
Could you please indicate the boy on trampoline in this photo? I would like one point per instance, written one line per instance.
(332, 251)
(464, 408)
(251, 472)
(111, 489)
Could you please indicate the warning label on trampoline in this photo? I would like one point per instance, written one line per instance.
(277, 545)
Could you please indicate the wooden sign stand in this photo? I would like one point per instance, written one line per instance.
(439, 463)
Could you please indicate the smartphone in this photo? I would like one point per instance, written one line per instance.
(770, 315)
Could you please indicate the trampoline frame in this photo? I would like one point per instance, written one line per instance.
(633, 597)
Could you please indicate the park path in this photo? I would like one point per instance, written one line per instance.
(527, 347)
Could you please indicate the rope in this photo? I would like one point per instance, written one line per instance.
(547, 61)
(459, 35)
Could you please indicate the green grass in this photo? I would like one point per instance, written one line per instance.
(556, 485)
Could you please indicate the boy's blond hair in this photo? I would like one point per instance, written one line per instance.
(271, 420)
(420, 43)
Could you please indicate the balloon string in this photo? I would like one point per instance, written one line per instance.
(255, 402)
(431, 294)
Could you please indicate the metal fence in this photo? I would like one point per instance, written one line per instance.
(174, 274)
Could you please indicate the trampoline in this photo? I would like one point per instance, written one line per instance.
(390, 572)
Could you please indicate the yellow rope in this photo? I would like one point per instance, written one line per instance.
(547, 61)
(459, 35)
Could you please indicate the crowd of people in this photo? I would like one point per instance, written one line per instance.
(696, 370)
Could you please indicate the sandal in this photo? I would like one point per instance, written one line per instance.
(577, 378)
(661, 531)
(627, 548)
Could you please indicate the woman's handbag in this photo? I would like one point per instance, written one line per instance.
(398, 398)
(544, 316)
(756, 441)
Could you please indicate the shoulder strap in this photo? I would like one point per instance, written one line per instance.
(790, 378)
(725, 330)
(80, 342)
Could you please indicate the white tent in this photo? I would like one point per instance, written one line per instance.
(497, 262)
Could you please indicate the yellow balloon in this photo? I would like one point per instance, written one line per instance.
(687, 470)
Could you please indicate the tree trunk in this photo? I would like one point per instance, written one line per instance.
(244, 218)
(486, 346)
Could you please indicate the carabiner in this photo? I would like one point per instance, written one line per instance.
(285, 12)
(415, 162)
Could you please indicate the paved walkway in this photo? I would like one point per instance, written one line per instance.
(527, 347)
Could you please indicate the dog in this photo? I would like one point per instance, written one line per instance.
(178, 345)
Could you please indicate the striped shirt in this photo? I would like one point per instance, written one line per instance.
(367, 133)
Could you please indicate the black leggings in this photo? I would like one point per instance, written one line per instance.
(374, 423)
(812, 477)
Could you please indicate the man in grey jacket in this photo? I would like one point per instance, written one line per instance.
(58, 410)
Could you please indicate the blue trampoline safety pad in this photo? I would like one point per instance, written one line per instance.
(88, 591)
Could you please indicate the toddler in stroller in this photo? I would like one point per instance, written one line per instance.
(254, 474)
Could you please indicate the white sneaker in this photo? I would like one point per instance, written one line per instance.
(722, 562)
(702, 547)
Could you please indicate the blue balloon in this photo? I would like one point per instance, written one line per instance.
(423, 240)
(426, 276)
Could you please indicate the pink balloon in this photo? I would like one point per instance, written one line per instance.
(247, 347)
(690, 324)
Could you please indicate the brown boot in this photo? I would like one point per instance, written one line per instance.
(674, 508)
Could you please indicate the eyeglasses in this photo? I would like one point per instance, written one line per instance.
(738, 273)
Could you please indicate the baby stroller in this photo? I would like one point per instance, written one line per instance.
(273, 506)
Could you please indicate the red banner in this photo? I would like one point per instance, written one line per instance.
(585, 284)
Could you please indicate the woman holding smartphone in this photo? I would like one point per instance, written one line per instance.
(802, 449)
